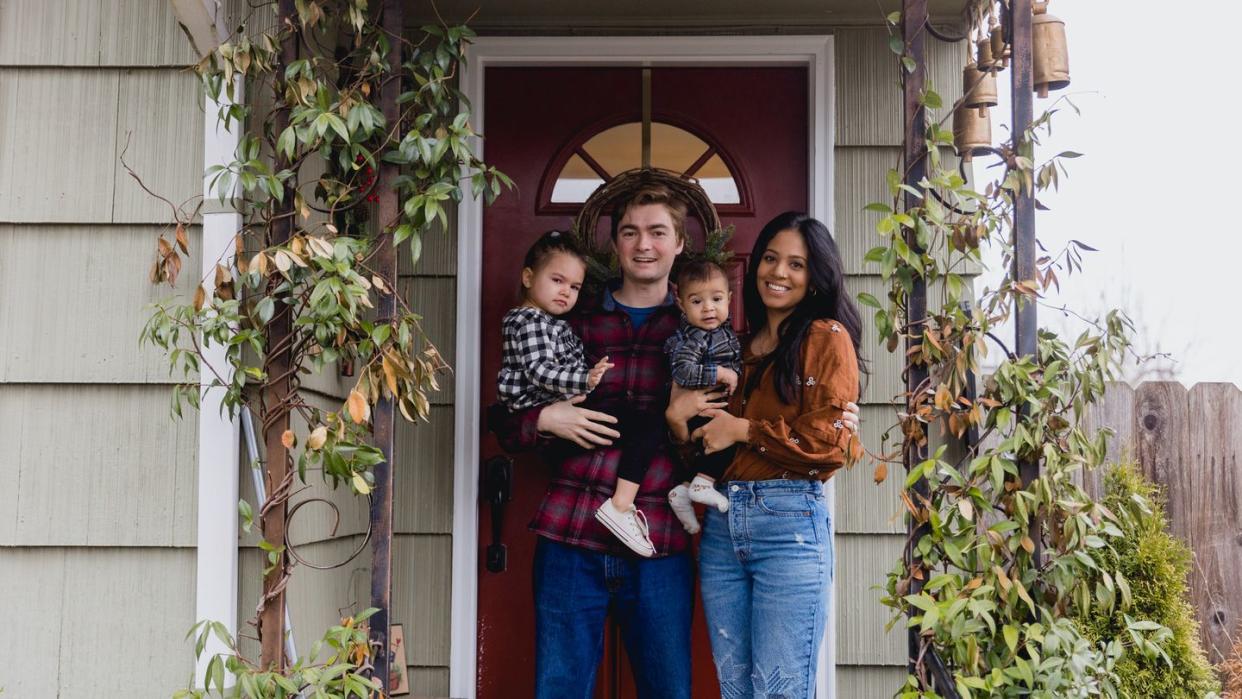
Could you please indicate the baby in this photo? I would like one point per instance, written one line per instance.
(543, 361)
(704, 352)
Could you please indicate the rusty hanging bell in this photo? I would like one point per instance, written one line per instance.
(1001, 51)
(1049, 51)
(979, 88)
(972, 130)
(985, 60)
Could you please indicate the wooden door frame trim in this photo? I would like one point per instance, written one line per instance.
(813, 52)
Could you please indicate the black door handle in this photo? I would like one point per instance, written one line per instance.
(497, 490)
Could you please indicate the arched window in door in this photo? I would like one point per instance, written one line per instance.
(598, 154)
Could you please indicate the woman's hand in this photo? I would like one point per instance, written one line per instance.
(685, 403)
(722, 432)
(587, 428)
(850, 417)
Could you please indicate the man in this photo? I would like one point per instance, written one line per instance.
(581, 570)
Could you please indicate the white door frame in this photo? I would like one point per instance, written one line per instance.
(814, 52)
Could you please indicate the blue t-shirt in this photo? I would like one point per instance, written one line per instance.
(638, 316)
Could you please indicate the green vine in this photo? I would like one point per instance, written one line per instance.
(1000, 568)
(296, 294)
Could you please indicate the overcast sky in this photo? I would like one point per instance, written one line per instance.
(1157, 191)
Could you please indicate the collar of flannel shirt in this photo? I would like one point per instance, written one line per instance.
(608, 303)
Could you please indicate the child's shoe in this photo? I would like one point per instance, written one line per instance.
(629, 526)
(703, 490)
(679, 500)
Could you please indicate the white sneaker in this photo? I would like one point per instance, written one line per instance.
(679, 500)
(703, 490)
(629, 526)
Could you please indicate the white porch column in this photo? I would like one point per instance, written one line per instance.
(218, 435)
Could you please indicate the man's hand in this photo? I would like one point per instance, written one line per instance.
(596, 374)
(728, 377)
(587, 428)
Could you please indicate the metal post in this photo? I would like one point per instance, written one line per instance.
(383, 424)
(913, 23)
(1022, 84)
(278, 367)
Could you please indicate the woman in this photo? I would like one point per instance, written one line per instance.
(766, 564)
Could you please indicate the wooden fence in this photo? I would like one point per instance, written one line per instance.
(1189, 442)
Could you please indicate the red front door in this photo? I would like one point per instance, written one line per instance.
(743, 131)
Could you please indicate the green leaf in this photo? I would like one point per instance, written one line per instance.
(868, 300)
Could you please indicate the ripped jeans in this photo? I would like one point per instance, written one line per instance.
(765, 568)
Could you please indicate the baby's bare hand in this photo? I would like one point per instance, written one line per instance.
(596, 374)
(727, 377)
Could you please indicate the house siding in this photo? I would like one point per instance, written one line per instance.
(97, 483)
(869, 520)
(97, 490)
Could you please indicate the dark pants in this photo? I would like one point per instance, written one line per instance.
(643, 433)
(714, 464)
(651, 599)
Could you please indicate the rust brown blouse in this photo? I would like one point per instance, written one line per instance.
(806, 439)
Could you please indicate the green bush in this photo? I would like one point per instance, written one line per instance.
(1154, 565)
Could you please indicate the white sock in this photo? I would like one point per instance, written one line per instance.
(679, 500)
(703, 490)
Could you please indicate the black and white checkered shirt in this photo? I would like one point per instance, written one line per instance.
(694, 354)
(542, 360)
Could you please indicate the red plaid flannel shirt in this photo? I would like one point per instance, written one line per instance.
(583, 479)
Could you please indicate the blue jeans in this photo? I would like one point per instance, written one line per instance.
(765, 568)
(651, 600)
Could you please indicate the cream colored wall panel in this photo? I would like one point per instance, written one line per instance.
(861, 505)
(160, 116)
(869, 682)
(329, 383)
(33, 581)
(58, 136)
(91, 33)
(317, 599)
(435, 299)
(862, 562)
(884, 384)
(85, 613)
(861, 174)
(50, 32)
(424, 474)
(76, 299)
(944, 75)
(860, 180)
(142, 33)
(429, 681)
(146, 596)
(439, 255)
(96, 466)
(421, 592)
(868, 91)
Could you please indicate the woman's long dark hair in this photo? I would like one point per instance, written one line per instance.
(826, 297)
